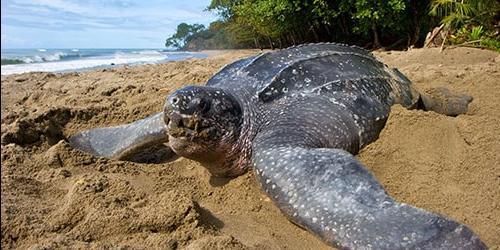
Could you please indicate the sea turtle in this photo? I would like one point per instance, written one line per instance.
(297, 116)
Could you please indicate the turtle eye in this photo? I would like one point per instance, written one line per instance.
(204, 105)
(175, 100)
(200, 105)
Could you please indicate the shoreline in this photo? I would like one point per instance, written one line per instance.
(56, 197)
(207, 53)
(59, 61)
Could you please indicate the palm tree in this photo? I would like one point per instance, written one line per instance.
(455, 14)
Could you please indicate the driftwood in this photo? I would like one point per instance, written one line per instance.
(469, 44)
(432, 35)
(444, 40)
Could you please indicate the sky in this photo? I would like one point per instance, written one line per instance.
(96, 23)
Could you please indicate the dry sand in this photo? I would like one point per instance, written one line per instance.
(57, 197)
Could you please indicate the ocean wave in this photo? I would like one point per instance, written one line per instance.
(139, 54)
(56, 56)
(71, 65)
(7, 61)
(147, 52)
(64, 60)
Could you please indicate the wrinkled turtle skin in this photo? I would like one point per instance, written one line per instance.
(297, 116)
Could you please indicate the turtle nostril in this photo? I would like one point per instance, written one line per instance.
(166, 119)
(175, 120)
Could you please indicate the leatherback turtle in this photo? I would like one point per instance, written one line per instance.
(297, 116)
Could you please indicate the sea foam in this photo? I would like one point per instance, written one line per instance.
(76, 60)
(57, 66)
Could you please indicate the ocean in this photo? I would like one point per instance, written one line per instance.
(16, 61)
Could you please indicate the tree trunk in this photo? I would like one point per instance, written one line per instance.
(416, 34)
(303, 34)
(292, 36)
(328, 32)
(319, 31)
(343, 26)
(416, 23)
(270, 42)
(376, 40)
(311, 27)
(256, 42)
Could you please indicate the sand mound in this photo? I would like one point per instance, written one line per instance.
(56, 197)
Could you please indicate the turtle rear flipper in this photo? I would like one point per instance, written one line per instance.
(124, 142)
(441, 100)
(329, 193)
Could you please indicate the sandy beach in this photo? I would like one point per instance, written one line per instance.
(56, 197)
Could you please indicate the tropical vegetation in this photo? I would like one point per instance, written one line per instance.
(391, 24)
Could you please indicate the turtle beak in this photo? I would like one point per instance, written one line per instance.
(180, 122)
(175, 121)
(171, 117)
(172, 111)
(187, 113)
(167, 113)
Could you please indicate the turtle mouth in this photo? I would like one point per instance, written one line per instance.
(188, 126)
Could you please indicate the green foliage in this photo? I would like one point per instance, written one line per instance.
(375, 23)
(183, 34)
(378, 13)
(476, 33)
(268, 18)
(476, 36)
(468, 21)
(490, 43)
(371, 16)
(224, 8)
(456, 13)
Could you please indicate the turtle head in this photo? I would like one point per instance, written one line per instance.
(203, 123)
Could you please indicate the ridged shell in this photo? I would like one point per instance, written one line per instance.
(317, 68)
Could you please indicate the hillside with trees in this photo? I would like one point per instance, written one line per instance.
(392, 24)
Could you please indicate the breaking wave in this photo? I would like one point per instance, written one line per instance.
(75, 60)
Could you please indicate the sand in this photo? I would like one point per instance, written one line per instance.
(56, 197)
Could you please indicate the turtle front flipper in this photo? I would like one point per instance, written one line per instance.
(329, 193)
(124, 141)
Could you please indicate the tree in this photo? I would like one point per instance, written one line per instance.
(183, 34)
(224, 8)
(374, 15)
(465, 19)
(454, 13)
(368, 23)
